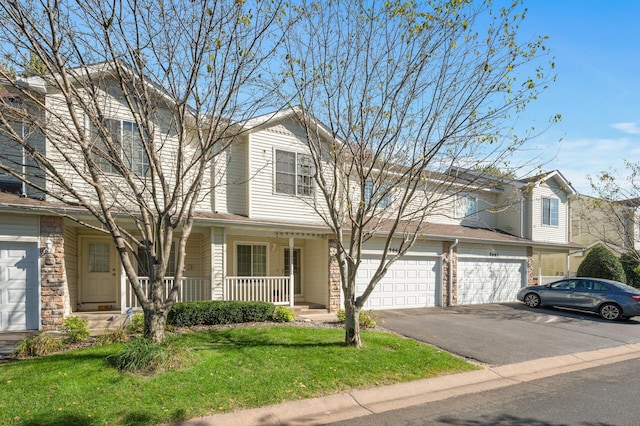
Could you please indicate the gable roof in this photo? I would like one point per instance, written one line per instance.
(257, 123)
(556, 175)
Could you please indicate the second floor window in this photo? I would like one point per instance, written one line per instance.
(383, 194)
(550, 211)
(472, 206)
(128, 147)
(294, 173)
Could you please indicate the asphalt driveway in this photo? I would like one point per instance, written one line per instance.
(509, 333)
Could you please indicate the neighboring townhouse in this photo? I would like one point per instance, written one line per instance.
(258, 237)
(595, 221)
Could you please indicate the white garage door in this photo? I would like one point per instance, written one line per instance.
(18, 286)
(410, 283)
(489, 281)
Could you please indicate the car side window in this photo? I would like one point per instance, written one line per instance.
(564, 285)
(598, 286)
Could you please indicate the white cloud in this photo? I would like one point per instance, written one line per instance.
(629, 128)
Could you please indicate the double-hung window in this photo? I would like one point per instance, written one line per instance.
(550, 211)
(251, 260)
(294, 173)
(143, 262)
(127, 148)
(472, 207)
(382, 195)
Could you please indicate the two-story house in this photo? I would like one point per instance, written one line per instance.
(258, 237)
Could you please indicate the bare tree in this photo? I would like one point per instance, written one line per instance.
(391, 96)
(612, 215)
(181, 73)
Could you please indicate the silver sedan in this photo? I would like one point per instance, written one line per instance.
(611, 299)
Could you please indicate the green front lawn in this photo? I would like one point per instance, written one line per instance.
(228, 369)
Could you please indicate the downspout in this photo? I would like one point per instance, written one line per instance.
(450, 293)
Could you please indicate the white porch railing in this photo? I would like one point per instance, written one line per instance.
(191, 289)
(276, 290)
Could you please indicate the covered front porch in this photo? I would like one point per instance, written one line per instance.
(283, 268)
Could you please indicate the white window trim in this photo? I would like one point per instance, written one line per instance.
(145, 159)
(542, 212)
(249, 243)
(296, 175)
(461, 206)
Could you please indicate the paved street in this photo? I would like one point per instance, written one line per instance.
(510, 333)
(593, 397)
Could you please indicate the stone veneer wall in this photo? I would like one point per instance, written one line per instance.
(54, 294)
(334, 277)
(448, 287)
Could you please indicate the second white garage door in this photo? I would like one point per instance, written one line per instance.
(489, 281)
(409, 283)
(18, 286)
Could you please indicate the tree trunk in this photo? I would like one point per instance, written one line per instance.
(352, 325)
(155, 322)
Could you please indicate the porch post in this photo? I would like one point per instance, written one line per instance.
(292, 296)
(123, 292)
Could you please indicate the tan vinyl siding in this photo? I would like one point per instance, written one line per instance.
(19, 228)
(193, 258)
(509, 212)
(265, 203)
(233, 192)
(315, 271)
(549, 233)
(491, 251)
(71, 263)
(217, 251)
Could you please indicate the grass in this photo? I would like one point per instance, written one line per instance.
(228, 369)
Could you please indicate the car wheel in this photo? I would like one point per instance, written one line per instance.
(610, 311)
(532, 300)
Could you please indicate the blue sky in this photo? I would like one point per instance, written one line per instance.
(596, 45)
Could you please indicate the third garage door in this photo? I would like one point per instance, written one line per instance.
(489, 280)
(409, 283)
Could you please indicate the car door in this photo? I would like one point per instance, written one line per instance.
(560, 293)
(585, 295)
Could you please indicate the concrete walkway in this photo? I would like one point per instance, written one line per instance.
(358, 403)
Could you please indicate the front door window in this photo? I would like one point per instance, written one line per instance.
(99, 281)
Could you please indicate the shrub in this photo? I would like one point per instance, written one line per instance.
(631, 267)
(213, 312)
(76, 329)
(368, 319)
(136, 323)
(600, 262)
(283, 314)
(38, 345)
(140, 355)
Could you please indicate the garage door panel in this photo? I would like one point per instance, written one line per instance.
(489, 281)
(18, 286)
(409, 282)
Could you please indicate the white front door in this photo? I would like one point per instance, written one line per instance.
(99, 272)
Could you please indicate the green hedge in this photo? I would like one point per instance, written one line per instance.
(214, 312)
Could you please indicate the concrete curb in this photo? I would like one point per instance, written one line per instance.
(360, 403)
